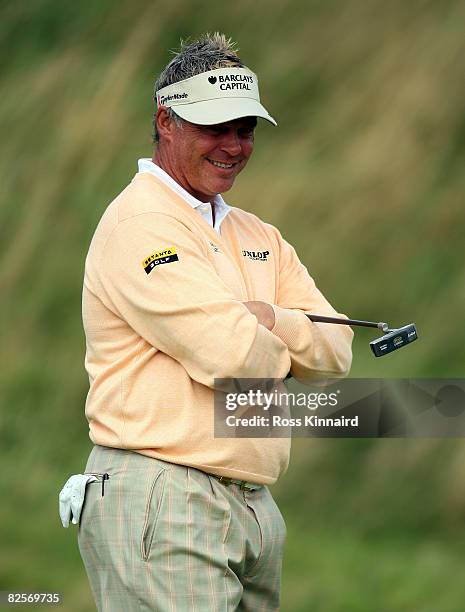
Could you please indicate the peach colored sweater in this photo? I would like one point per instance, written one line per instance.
(163, 317)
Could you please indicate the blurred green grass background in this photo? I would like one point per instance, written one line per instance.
(364, 176)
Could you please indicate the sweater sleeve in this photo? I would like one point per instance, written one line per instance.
(316, 349)
(182, 307)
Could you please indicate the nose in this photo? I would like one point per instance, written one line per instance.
(231, 143)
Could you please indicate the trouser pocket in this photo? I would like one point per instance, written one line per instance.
(152, 512)
(101, 478)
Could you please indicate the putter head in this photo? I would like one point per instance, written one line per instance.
(394, 339)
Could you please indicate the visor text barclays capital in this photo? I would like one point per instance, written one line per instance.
(234, 81)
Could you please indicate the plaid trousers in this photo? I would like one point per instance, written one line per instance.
(169, 538)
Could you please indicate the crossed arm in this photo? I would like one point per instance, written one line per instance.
(263, 312)
(186, 311)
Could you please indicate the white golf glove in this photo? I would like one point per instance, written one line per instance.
(72, 497)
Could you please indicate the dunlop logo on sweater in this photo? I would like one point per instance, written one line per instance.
(256, 255)
(160, 257)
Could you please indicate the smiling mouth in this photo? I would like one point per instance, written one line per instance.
(223, 165)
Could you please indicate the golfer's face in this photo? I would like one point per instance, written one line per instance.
(208, 158)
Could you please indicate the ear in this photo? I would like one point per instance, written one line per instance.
(165, 125)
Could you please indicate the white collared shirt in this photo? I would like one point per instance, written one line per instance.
(204, 208)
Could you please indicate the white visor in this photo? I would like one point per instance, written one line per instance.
(215, 96)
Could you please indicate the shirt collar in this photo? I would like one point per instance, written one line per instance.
(221, 208)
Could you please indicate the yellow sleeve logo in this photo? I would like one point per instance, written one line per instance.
(160, 257)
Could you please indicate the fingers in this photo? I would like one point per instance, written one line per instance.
(64, 506)
(71, 498)
(65, 501)
(77, 498)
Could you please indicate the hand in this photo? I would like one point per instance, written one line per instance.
(263, 311)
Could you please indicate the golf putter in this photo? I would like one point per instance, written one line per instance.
(392, 339)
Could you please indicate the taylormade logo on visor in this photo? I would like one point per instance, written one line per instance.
(162, 100)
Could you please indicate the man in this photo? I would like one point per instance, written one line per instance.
(181, 289)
